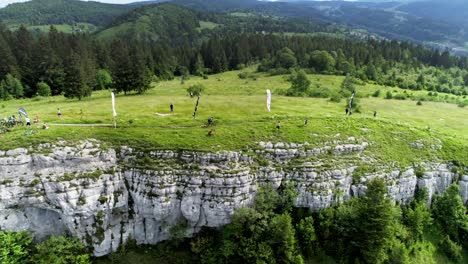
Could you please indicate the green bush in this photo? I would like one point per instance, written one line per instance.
(451, 249)
(376, 93)
(103, 79)
(14, 247)
(195, 90)
(389, 95)
(61, 250)
(43, 89)
(335, 97)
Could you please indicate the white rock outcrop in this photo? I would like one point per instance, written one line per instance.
(105, 197)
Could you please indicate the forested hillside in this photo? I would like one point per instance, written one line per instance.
(357, 155)
(46, 12)
(415, 23)
(163, 41)
(423, 22)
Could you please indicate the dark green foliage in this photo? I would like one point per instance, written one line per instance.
(451, 249)
(44, 12)
(347, 86)
(163, 22)
(300, 84)
(376, 93)
(104, 80)
(11, 87)
(368, 229)
(389, 95)
(285, 58)
(7, 59)
(195, 90)
(322, 61)
(254, 235)
(450, 213)
(17, 247)
(306, 236)
(43, 89)
(14, 247)
(179, 230)
(417, 216)
(75, 78)
(371, 72)
(61, 250)
(130, 69)
(376, 216)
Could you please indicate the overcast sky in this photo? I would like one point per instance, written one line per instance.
(6, 2)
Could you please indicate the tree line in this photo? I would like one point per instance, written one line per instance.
(76, 64)
(368, 229)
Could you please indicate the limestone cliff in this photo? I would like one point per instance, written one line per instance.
(106, 196)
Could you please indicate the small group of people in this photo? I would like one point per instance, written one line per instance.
(348, 112)
(14, 121)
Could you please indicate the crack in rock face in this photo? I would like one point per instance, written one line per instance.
(106, 197)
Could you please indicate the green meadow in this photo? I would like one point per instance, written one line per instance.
(239, 110)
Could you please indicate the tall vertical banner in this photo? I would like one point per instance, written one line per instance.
(114, 113)
(268, 99)
(351, 103)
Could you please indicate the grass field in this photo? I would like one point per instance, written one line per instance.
(239, 108)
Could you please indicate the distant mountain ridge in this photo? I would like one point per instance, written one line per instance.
(438, 23)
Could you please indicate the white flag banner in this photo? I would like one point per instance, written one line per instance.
(113, 105)
(268, 99)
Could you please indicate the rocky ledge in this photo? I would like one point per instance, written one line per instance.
(106, 196)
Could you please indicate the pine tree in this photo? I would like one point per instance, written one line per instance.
(199, 66)
(4, 95)
(7, 60)
(75, 82)
(13, 86)
(130, 69)
(299, 83)
(450, 212)
(122, 67)
(49, 66)
(24, 45)
(141, 74)
(376, 215)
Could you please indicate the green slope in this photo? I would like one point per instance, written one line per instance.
(239, 108)
(46, 12)
(160, 22)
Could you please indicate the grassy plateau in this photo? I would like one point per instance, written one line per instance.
(239, 110)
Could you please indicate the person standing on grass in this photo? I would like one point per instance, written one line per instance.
(172, 108)
(28, 121)
(59, 113)
(278, 125)
(375, 114)
(36, 119)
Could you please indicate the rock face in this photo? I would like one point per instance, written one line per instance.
(106, 197)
